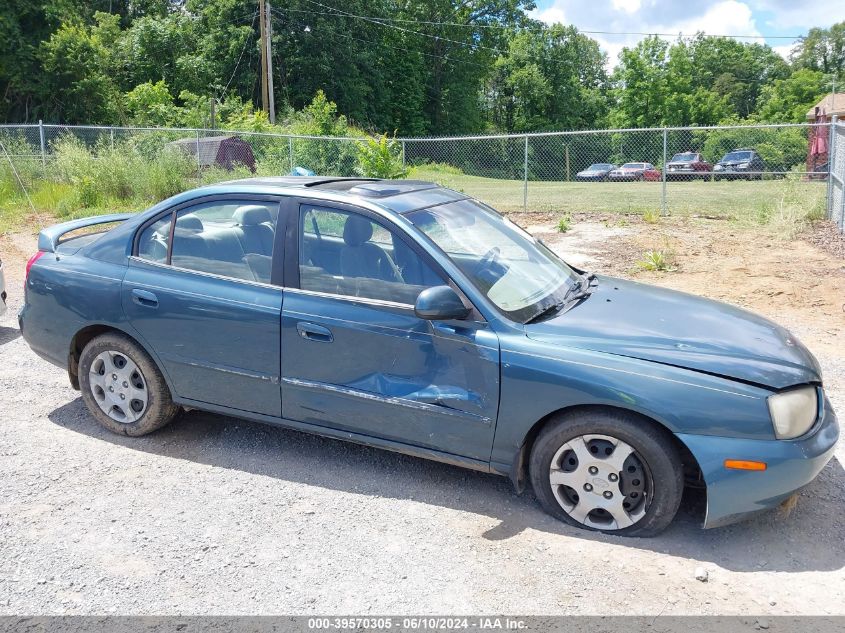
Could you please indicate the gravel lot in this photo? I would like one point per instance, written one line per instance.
(215, 515)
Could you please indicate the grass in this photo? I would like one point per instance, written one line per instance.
(729, 199)
(81, 181)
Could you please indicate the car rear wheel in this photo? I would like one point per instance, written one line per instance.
(122, 387)
(607, 471)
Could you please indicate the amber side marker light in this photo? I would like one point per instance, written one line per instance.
(743, 464)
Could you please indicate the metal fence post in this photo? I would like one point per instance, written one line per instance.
(199, 162)
(525, 178)
(43, 143)
(831, 143)
(403, 154)
(290, 152)
(111, 137)
(663, 209)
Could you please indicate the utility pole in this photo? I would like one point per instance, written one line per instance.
(269, 40)
(262, 26)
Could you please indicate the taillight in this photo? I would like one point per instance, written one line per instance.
(29, 264)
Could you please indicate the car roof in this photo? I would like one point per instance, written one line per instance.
(399, 196)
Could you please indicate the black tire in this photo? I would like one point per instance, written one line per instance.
(653, 446)
(160, 409)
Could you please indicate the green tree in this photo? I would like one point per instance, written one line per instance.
(79, 65)
(551, 78)
(823, 50)
(788, 100)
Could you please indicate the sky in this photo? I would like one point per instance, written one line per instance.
(714, 17)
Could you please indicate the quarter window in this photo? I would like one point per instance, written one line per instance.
(350, 255)
(155, 240)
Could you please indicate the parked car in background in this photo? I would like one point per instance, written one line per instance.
(2, 289)
(596, 171)
(634, 171)
(740, 163)
(407, 316)
(687, 166)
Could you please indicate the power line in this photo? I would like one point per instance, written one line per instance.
(398, 48)
(380, 22)
(384, 20)
(243, 50)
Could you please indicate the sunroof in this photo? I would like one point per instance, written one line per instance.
(387, 188)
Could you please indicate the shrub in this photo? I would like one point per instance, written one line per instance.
(380, 157)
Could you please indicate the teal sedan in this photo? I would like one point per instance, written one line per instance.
(411, 317)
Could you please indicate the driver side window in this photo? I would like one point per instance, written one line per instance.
(349, 254)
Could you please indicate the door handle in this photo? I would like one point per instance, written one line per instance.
(144, 298)
(314, 332)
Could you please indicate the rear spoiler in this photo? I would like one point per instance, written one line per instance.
(48, 239)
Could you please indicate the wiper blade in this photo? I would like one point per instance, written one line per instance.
(546, 312)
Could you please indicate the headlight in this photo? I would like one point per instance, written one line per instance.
(744, 165)
(718, 167)
(793, 412)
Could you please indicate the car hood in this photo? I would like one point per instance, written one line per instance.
(664, 326)
(680, 163)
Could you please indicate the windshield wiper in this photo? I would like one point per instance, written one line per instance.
(546, 312)
(575, 293)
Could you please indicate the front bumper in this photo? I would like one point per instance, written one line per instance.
(734, 495)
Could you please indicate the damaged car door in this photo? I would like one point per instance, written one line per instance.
(355, 356)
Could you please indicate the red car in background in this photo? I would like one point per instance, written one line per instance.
(634, 171)
(687, 166)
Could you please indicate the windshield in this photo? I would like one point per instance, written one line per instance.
(737, 156)
(685, 157)
(633, 166)
(515, 271)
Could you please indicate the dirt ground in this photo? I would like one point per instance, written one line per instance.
(216, 515)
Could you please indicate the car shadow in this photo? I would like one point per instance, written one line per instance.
(8, 334)
(808, 539)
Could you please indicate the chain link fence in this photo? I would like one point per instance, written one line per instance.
(737, 171)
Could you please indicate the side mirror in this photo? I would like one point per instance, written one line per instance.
(440, 303)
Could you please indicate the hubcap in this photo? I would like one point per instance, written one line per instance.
(601, 482)
(118, 386)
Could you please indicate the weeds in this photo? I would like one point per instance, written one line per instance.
(651, 216)
(564, 224)
(790, 210)
(380, 157)
(657, 260)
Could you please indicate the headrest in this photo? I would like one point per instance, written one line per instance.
(252, 214)
(189, 222)
(357, 230)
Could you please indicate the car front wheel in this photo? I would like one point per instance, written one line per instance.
(122, 387)
(607, 471)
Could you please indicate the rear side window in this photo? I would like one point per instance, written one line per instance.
(155, 240)
(230, 238)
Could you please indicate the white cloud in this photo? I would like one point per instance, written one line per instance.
(784, 50)
(553, 15)
(628, 6)
(724, 17)
(794, 17)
